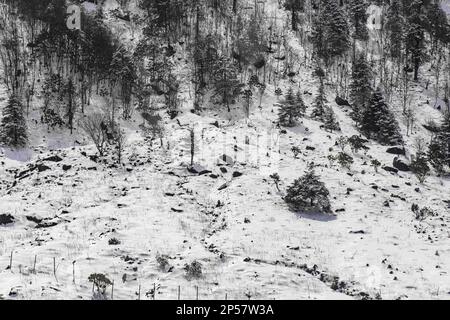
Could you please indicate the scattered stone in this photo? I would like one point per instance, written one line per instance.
(34, 219)
(401, 165)
(397, 151)
(237, 174)
(6, 219)
(54, 158)
(223, 170)
(66, 167)
(310, 148)
(358, 232)
(198, 169)
(222, 187)
(342, 102)
(178, 210)
(390, 169)
(42, 167)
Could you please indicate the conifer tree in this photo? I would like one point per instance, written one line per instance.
(330, 121)
(415, 34)
(308, 194)
(320, 103)
(300, 103)
(439, 148)
(289, 110)
(331, 31)
(395, 28)
(226, 83)
(13, 126)
(379, 123)
(360, 86)
(358, 17)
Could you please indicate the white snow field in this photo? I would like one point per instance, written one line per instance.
(232, 219)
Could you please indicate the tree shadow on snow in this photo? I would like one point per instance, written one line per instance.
(322, 217)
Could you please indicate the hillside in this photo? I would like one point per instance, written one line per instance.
(66, 212)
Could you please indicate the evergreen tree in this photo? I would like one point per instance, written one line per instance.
(13, 127)
(226, 83)
(395, 28)
(379, 123)
(439, 148)
(331, 31)
(419, 166)
(300, 103)
(415, 34)
(358, 16)
(308, 194)
(330, 121)
(320, 103)
(360, 86)
(294, 6)
(289, 110)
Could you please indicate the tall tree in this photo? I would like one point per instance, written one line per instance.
(13, 127)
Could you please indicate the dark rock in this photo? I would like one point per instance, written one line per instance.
(224, 170)
(34, 219)
(397, 151)
(237, 174)
(222, 187)
(67, 167)
(54, 158)
(310, 148)
(198, 169)
(48, 224)
(227, 159)
(214, 176)
(358, 232)
(42, 167)
(400, 165)
(176, 210)
(6, 219)
(390, 169)
(342, 102)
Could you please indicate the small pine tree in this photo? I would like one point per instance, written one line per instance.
(378, 122)
(345, 160)
(439, 149)
(301, 106)
(289, 110)
(226, 83)
(308, 194)
(330, 121)
(13, 127)
(320, 103)
(419, 166)
(360, 87)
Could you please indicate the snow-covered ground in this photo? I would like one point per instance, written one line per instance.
(231, 219)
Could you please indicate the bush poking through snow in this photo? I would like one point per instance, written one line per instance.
(308, 194)
(375, 164)
(95, 126)
(193, 270)
(344, 160)
(420, 168)
(101, 283)
(113, 242)
(163, 262)
(276, 179)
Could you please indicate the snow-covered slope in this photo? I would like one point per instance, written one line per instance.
(231, 219)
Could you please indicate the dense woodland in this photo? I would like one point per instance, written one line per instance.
(235, 49)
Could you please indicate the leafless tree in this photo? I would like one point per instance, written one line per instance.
(95, 126)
